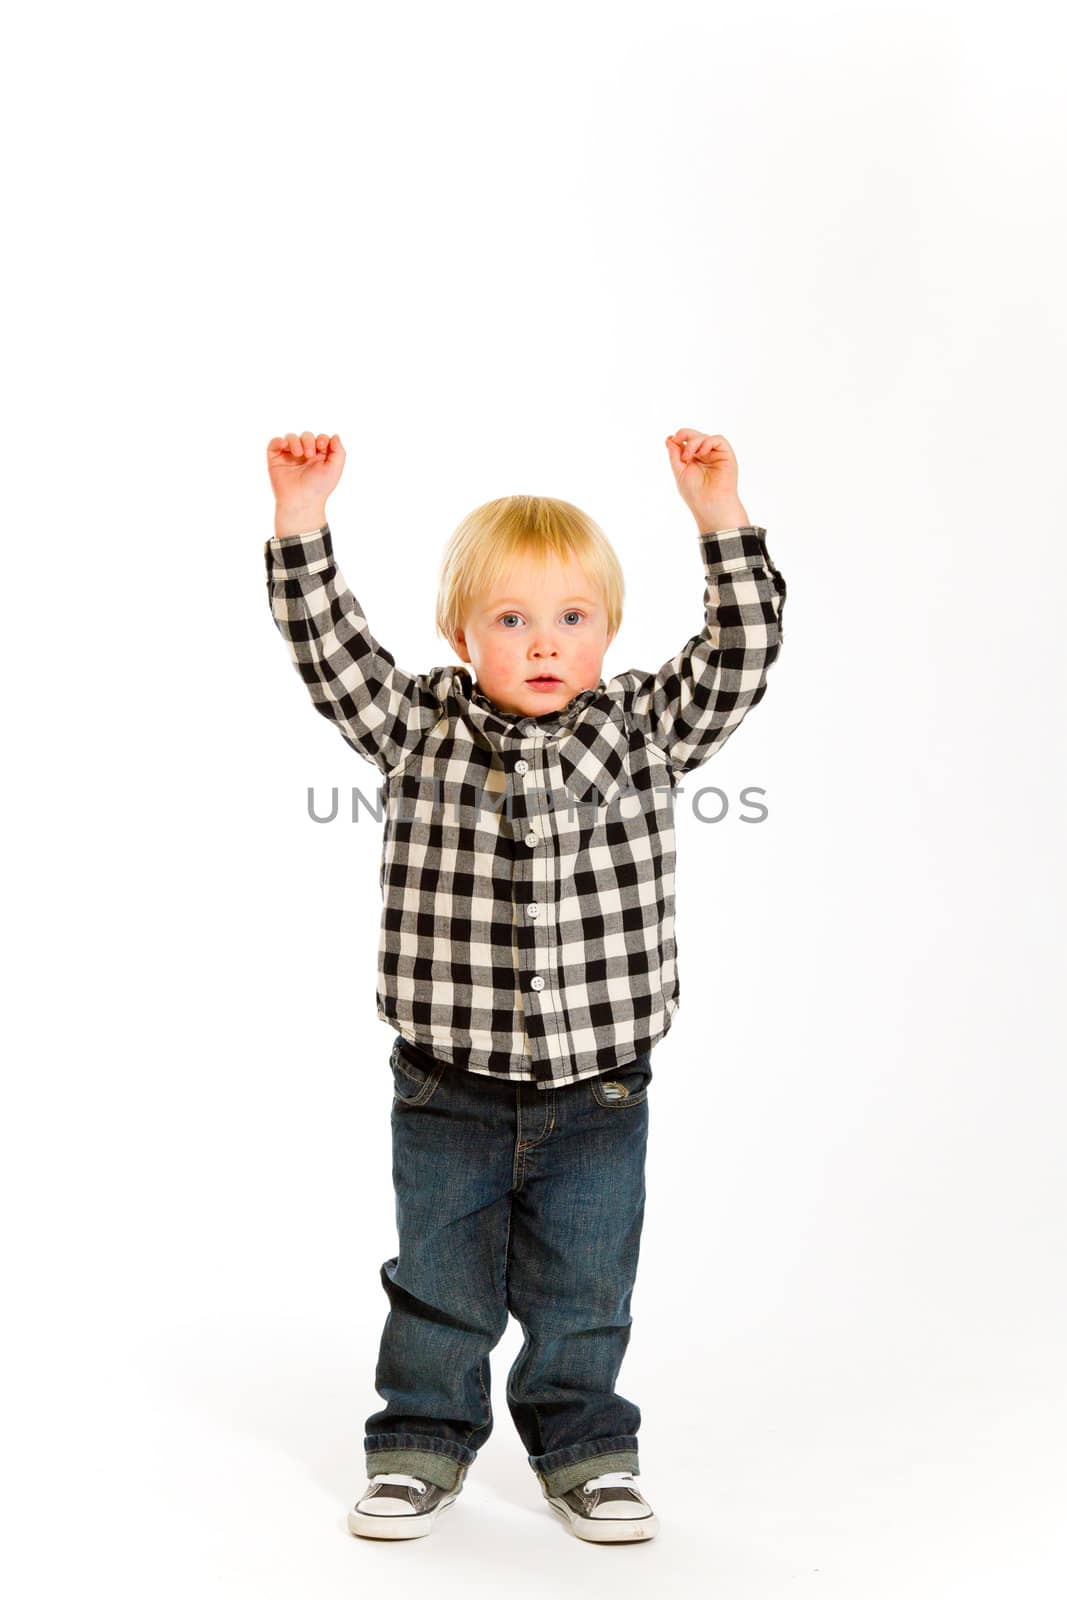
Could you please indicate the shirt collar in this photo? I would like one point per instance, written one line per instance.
(589, 732)
(508, 721)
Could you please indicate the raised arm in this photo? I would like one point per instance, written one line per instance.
(690, 707)
(379, 709)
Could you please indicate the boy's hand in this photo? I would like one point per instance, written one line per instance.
(705, 470)
(304, 470)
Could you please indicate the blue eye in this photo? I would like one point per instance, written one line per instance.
(579, 614)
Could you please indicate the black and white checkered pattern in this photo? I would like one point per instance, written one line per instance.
(528, 862)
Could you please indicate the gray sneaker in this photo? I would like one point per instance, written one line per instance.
(609, 1509)
(396, 1505)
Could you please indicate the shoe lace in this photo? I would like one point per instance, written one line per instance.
(399, 1477)
(611, 1480)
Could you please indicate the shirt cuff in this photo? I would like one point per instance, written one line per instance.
(729, 549)
(296, 555)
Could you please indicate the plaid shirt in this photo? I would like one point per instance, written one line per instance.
(528, 862)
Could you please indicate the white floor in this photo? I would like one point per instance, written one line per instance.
(224, 1462)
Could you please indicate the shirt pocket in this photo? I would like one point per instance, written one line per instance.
(594, 777)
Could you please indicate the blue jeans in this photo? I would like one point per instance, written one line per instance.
(510, 1198)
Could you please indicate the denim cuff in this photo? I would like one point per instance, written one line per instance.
(557, 1480)
(429, 1464)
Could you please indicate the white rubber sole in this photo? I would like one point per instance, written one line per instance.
(606, 1530)
(369, 1525)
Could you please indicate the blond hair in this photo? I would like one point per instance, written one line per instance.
(493, 535)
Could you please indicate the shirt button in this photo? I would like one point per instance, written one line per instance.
(531, 911)
(526, 727)
(531, 838)
(522, 766)
(537, 983)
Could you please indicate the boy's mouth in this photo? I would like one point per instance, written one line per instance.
(545, 677)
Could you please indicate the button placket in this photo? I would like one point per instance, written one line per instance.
(555, 866)
(532, 874)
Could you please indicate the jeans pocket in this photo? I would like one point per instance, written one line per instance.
(413, 1084)
(623, 1086)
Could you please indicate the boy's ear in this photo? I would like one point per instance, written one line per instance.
(460, 644)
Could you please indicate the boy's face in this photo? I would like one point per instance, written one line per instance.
(534, 625)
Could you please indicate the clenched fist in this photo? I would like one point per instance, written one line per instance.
(304, 470)
(705, 471)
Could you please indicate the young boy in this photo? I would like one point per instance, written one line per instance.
(527, 959)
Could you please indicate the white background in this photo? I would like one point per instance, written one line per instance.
(504, 249)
